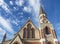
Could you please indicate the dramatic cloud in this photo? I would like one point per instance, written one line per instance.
(5, 24)
(4, 6)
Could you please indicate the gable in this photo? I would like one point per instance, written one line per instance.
(28, 22)
(21, 32)
(16, 39)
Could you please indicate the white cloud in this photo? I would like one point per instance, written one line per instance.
(4, 6)
(11, 3)
(19, 2)
(14, 8)
(35, 4)
(5, 24)
(15, 22)
(27, 9)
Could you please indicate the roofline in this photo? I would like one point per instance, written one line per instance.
(24, 25)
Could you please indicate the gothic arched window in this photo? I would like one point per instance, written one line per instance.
(16, 42)
(24, 33)
(28, 29)
(33, 33)
(46, 30)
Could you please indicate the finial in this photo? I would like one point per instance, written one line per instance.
(28, 17)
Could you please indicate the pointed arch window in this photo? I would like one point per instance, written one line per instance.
(33, 33)
(24, 34)
(47, 31)
(28, 28)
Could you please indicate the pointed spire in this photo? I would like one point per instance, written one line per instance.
(4, 37)
(42, 15)
(41, 10)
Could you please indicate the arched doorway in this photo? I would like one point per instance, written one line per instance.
(16, 42)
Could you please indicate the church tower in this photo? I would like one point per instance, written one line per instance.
(47, 32)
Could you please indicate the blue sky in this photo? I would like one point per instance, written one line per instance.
(15, 13)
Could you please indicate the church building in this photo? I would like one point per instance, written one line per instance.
(30, 34)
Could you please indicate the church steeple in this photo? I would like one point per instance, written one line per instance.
(43, 18)
(41, 10)
(46, 29)
(4, 38)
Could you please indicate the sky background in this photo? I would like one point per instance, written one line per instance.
(15, 13)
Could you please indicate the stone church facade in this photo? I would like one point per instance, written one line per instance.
(29, 34)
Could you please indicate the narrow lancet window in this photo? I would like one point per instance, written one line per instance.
(24, 35)
(28, 28)
(46, 31)
(33, 33)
